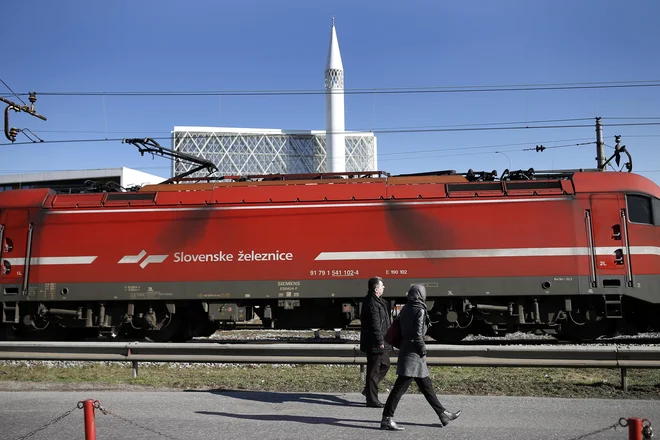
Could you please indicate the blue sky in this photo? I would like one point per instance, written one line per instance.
(165, 46)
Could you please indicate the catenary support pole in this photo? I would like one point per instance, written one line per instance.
(90, 423)
(600, 146)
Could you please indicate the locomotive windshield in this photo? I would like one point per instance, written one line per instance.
(643, 209)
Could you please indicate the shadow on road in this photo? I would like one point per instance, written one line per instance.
(275, 397)
(332, 421)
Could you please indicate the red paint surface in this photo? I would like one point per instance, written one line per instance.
(242, 218)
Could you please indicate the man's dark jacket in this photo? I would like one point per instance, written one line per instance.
(375, 320)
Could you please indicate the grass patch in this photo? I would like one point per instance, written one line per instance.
(482, 381)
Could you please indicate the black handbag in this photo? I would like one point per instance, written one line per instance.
(393, 334)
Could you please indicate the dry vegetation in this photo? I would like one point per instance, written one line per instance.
(549, 382)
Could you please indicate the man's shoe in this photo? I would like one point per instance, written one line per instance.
(375, 405)
(446, 417)
(389, 423)
(364, 392)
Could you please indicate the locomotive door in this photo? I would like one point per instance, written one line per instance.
(609, 251)
(15, 250)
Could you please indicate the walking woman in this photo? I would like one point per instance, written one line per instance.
(411, 365)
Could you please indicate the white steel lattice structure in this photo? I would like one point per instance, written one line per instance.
(244, 151)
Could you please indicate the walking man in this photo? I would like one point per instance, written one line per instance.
(375, 320)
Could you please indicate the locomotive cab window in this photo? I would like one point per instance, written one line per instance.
(641, 209)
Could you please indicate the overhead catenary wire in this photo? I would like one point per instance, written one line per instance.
(639, 135)
(382, 131)
(375, 90)
(518, 150)
(545, 121)
(496, 126)
(13, 93)
(512, 128)
(475, 147)
(167, 167)
(359, 130)
(630, 117)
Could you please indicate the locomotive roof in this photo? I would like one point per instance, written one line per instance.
(571, 182)
(309, 188)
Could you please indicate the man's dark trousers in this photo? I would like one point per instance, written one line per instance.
(377, 366)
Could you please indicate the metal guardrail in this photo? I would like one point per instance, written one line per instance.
(611, 356)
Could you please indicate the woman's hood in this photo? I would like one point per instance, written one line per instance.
(417, 293)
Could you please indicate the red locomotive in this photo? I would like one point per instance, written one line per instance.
(573, 253)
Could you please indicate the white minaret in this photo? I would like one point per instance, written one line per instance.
(334, 107)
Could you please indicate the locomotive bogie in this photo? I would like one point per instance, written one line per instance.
(452, 318)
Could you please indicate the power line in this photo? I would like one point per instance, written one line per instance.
(97, 131)
(14, 171)
(376, 90)
(384, 131)
(376, 130)
(640, 135)
(372, 129)
(483, 152)
(13, 93)
(64, 141)
(434, 130)
(483, 124)
(632, 117)
(485, 146)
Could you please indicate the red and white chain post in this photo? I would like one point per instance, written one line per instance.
(638, 429)
(90, 422)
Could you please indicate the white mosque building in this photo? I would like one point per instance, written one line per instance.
(250, 151)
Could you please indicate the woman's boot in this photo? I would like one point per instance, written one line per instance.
(446, 417)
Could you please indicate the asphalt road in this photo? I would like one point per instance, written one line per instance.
(205, 415)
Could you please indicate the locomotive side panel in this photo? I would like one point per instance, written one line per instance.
(409, 241)
(284, 257)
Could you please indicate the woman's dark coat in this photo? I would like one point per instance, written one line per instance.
(413, 321)
(375, 320)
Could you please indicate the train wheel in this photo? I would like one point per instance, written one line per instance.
(52, 333)
(580, 328)
(585, 322)
(447, 334)
(168, 333)
(449, 325)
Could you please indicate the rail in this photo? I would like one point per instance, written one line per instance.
(610, 356)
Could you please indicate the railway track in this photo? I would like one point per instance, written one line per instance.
(258, 326)
(525, 342)
(351, 333)
(352, 337)
(254, 333)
